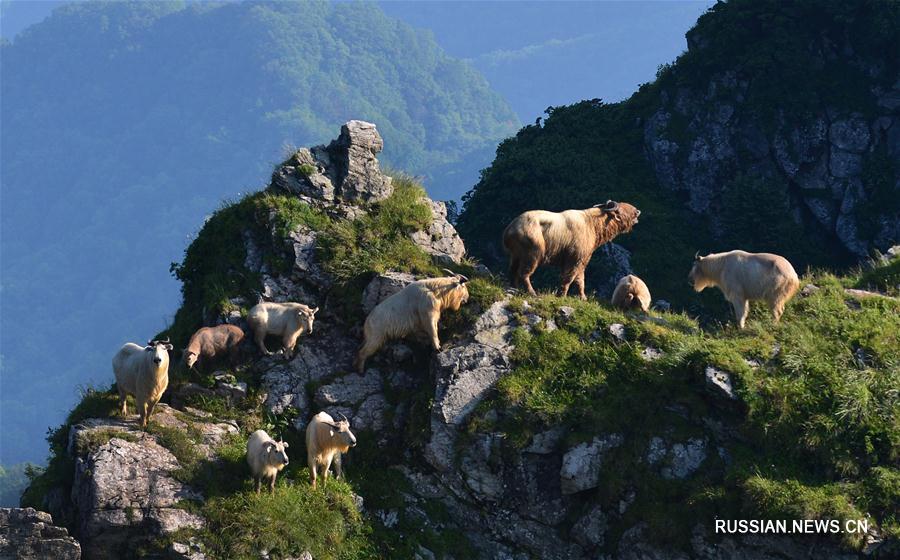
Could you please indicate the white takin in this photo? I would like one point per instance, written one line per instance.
(744, 277)
(416, 308)
(142, 371)
(266, 458)
(326, 440)
(288, 320)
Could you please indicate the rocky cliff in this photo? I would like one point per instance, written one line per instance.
(543, 428)
(778, 130)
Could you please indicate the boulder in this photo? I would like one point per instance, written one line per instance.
(28, 534)
(125, 491)
(581, 464)
(440, 239)
(355, 166)
(718, 383)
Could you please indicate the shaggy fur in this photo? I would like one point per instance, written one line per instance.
(564, 239)
(288, 320)
(745, 277)
(631, 292)
(211, 343)
(266, 458)
(142, 371)
(415, 308)
(326, 441)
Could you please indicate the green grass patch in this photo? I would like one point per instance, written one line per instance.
(818, 418)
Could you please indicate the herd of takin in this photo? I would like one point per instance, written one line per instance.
(537, 237)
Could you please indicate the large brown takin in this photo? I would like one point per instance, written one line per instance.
(214, 343)
(564, 239)
(744, 277)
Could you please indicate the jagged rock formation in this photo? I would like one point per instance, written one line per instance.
(819, 158)
(27, 534)
(125, 490)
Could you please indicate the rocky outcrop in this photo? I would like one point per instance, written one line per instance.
(28, 534)
(345, 170)
(125, 491)
(702, 137)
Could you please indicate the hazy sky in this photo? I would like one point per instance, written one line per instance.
(536, 54)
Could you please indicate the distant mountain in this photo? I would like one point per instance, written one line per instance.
(123, 122)
(538, 54)
(777, 131)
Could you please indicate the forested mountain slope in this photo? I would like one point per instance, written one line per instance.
(125, 123)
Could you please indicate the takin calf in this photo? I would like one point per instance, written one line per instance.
(288, 320)
(564, 239)
(631, 292)
(415, 308)
(211, 343)
(143, 372)
(266, 458)
(745, 277)
(326, 440)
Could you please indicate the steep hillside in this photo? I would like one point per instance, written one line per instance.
(777, 130)
(125, 123)
(543, 428)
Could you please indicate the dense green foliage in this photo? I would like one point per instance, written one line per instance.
(125, 123)
(816, 433)
(798, 58)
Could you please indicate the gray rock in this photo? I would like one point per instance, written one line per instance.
(581, 464)
(565, 314)
(382, 287)
(656, 451)
(350, 389)
(545, 442)
(371, 413)
(685, 459)
(590, 530)
(718, 383)
(618, 331)
(649, 354)
(353, 155)
(661, 305)
(440, 239)
(851, 135)
(28, 534)
(809, 290)
(844, 164)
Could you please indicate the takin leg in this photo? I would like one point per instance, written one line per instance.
(123, 403)
(567, 277)
(741, 310)
(142, 412)
(338, 473)
(514, 265)
(272, 482)
(325, 471)
(260, 338)
(370, 346)
(527, 268)
(432, 328)
(777, 308)
(579, 283)
(288, 343)
(311, 461)
(150, 406)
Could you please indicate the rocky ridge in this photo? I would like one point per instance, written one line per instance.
(510, 502)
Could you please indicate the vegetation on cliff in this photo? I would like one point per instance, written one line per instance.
(707, 151)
